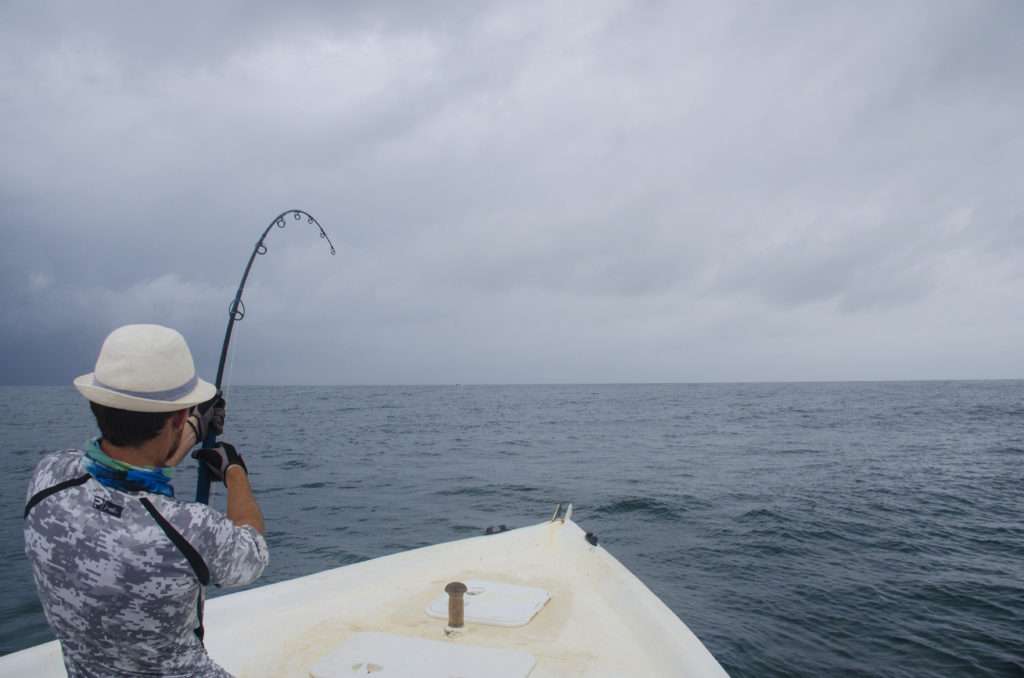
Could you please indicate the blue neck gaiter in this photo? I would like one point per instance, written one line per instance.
(118, 475)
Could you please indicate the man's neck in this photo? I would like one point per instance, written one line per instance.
(147, 454)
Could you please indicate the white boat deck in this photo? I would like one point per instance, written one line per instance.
(599, 621)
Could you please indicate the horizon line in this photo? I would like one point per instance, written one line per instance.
(592, 383)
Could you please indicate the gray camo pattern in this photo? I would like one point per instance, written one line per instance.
(117, 592)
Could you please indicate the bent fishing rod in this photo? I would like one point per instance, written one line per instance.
(236, 311)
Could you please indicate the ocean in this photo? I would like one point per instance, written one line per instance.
(814, 529)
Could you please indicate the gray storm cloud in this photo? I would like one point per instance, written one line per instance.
(599, 191)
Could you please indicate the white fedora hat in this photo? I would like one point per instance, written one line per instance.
(145, 368)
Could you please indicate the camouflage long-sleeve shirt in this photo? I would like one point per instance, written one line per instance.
(122, 598)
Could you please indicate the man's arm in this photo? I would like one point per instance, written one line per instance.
(242, 506)
(233, 545)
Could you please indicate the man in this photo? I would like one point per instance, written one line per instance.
(120, 564)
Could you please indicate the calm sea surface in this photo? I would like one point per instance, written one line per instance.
(870, 529)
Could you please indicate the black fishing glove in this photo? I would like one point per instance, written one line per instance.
(208, 418)
(218, 459)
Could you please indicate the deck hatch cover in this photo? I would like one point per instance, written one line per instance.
(389, 656)
(495, 603)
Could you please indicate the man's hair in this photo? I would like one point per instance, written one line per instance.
(128, 429)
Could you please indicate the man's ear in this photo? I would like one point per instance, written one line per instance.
(178, 419)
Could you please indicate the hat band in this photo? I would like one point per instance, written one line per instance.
(169, 395)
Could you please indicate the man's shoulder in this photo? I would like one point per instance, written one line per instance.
(210, 531)
(56, 467)
(184, 514)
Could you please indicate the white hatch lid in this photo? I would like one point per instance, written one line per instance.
(488, 602)
(388, 656)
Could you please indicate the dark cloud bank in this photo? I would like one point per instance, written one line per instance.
(519, 193)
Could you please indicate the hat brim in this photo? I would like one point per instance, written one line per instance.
(86, 385)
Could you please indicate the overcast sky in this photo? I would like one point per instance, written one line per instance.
(519, 192)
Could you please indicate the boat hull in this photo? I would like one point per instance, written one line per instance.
(600, 620)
